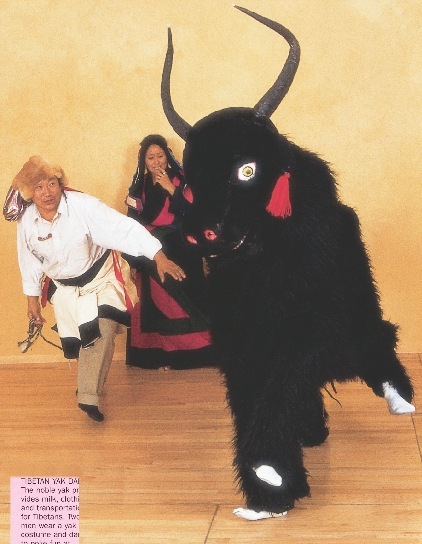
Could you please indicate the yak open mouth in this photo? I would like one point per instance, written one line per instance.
(229, 249)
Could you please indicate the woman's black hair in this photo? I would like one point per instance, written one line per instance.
(173, 167)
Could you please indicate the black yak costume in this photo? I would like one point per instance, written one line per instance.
(294, 305)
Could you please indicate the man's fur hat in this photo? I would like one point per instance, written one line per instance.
(33, 171)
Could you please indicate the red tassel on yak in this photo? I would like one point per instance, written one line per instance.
(279, 204)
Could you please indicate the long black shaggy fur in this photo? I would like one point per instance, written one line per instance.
(294, 306)
(293, 301)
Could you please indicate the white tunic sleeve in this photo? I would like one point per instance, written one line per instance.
(30, 266)
(113, 230)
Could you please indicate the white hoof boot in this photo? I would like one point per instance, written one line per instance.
(251, 515)
(396, 404)
(269, 475)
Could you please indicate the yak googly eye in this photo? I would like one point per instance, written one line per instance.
(246, 171)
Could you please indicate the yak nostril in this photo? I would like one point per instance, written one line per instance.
(191, 239)
(210, 234)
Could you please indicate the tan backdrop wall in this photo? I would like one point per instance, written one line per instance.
(80, 85)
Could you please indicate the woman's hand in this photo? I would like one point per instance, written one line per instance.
(163, 179)
(34, 310)
(165, 266)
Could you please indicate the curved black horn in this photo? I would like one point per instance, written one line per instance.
(272, 98)
(179, 125)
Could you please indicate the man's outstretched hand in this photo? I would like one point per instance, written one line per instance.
(165, 266)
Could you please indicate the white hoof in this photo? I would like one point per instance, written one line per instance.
(396, 404)
(251, 515)
(269, 475)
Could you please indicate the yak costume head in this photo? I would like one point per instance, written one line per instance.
(238, 159)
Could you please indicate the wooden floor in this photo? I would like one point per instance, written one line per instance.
(158, 470)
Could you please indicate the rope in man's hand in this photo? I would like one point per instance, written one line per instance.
(34, 331)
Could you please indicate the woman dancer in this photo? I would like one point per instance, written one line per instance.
(170, 327)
